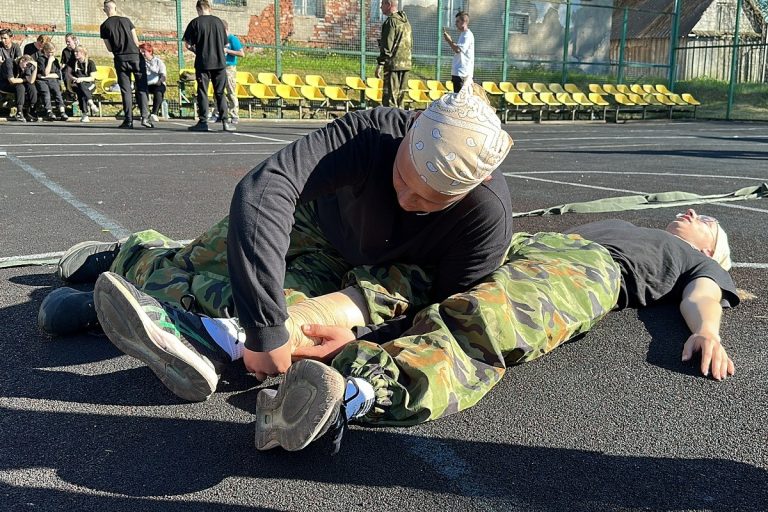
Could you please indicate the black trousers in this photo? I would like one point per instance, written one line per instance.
(18, 90)
(158, 93)
(219, 79)
(30, 91)
(84, 95)
(125, 66)
(458, 83)
(47, 88)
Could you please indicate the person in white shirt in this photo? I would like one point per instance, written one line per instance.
(463, 51)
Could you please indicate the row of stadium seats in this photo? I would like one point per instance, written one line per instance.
(311, 94)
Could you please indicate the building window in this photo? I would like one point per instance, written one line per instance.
(309, 8)
(518, 23)
(233, 3)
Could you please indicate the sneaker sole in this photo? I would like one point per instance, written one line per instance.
(129, 328)
(293, 416)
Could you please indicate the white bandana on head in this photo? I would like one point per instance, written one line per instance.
(457, 142)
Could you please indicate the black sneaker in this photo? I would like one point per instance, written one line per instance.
(20, 118)
(32, 118)
(49, 116)
(146, 123)
(173, 343)
(67, 311)
(126, 125)
(83, 262)
(63, 116)
(201, 126)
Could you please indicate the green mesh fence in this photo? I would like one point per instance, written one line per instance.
(713, 49)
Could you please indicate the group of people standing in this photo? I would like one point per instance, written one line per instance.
(395, 53)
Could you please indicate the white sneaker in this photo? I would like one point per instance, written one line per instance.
(94, 109)
(85, 119)
(153, 118)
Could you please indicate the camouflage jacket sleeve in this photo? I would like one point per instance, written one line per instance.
(387, 43)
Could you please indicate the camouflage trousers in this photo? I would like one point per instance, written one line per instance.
(169, 271)
(551, 288)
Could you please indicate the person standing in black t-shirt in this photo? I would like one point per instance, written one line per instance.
(119, 35)
(207, 37)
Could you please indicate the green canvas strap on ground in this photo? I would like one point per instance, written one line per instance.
(608, 204)
(642, 202)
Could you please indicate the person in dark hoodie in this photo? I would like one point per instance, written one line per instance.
(394, 59)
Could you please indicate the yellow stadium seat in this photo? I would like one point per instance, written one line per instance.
(436, 85)
(374, 83)
(540, 87)
(624, 89)
(374, 94)
(557, 88)
(572, 88)
(418, 98)
(507, 87)
(315, 99)
(492, 89)
(245, 77)
(689, 99)
(597, 88)
(513, 101)
(316, 80)
(638, 89)
(611, 89)
(268, 79)
(449, 85)
(355, 82)
(663, 89)
(337, 97)
(417, 84)
(524, 87)
(290, 98)
(292, 79)
(599, 101)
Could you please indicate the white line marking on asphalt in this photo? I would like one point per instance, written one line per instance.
(239, 134)
(446, 462)
(56, 254)
(155, 143)
(687, 175)
(99, 218)
(151, 155)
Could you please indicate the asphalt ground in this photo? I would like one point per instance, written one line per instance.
(613, 421)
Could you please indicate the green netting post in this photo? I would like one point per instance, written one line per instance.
(179, 35)
(278, 53)
(673, 41)
(363, 37)
(68, 15)
(505, 59)
(439, 59)
(734, 62)
(566, 41)
(622, 45)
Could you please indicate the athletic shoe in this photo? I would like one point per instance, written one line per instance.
(85, 119)
(83, 262)
(313, 399)
(67, 311)
(234, 120)
(213, 118)
(126, 125)
(228, 127)
(154, 118)
(32, 118)
(20, 118)
(146, 123)
(173, 343)
(94, 108)
(63, 116)
(49, 116)
(201, 126)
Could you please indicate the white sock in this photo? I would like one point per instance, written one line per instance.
(228, 334)
(358, 397)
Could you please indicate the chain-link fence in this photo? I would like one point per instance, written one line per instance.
(714, 49)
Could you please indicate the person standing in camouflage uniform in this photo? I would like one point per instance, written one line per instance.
(394, 59)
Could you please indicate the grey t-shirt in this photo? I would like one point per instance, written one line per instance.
(655, 265)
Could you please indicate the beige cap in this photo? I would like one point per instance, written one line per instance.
(457, 142)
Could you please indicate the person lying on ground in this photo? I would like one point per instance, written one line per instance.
(551, 288)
